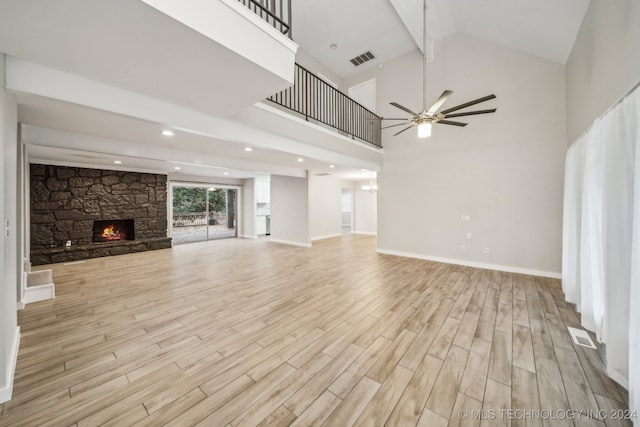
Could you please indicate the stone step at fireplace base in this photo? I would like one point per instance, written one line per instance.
(97, 250)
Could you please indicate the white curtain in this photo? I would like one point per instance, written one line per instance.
(601, 237)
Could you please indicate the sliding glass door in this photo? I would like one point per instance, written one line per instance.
(203, 213)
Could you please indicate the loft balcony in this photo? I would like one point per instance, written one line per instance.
(311, 97)
(319, 102)
(275, 12)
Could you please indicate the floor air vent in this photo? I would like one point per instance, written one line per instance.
(361, 59)
(581, 337)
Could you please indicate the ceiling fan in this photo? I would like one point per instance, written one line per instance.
(427, 117)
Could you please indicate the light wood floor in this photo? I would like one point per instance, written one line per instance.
(249, 332)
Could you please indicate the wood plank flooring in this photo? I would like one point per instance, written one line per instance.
(249, 332)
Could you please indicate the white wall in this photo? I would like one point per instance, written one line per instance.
(365, 219)
(290, 210)
(325, 207)
(9, 331)
(604, 63)
(504, 170)
(249, 209)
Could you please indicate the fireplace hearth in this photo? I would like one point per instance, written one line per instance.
(113, 230)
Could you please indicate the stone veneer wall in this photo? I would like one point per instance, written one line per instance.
(66, 200)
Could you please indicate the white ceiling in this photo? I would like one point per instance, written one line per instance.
(389, 28)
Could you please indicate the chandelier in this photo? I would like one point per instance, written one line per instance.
(372, 187)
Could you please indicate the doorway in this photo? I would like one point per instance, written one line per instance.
(201, 213)
(365, 94)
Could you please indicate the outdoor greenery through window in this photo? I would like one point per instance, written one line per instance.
(200, 213)
(194, 199)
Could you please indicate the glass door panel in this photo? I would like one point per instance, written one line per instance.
(222, 213)
(189, 214)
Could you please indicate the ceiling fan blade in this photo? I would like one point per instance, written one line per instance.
(407, 128)
(471, 113)
(395, 104)
(468, 104)
(392, 126)
(388, 118)
(449, 122)
(436, 105)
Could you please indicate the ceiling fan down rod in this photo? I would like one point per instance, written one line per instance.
(424, 58)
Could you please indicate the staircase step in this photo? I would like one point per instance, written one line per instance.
(39, 278)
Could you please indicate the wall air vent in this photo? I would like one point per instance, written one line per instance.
(361, 59)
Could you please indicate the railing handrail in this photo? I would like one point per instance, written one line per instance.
(285, 26)
(337, 90)
(316, 99)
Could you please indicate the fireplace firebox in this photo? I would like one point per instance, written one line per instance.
(113, 230)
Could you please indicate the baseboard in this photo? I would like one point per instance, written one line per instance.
(366, 233)
(504, 268)
(249, 236)
(328, 236)
(39, 293)
(619, 378)
(290, 242)
(5, 392)
(20, 305)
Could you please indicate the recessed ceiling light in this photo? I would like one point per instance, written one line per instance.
(248, 149)
(332, 166)
(333, 46)
(300, 159)
(177, 168)
(117, 162)
(226, 173)
(167, 132)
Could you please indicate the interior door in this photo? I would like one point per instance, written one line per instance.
(365, 94)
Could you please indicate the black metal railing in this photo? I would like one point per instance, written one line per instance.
(317, 100)
(275, 12)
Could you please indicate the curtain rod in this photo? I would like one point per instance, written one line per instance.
(627, 93)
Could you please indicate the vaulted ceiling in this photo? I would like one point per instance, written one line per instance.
(389, 28)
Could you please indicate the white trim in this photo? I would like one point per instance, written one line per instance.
(246, 236)
(366, 233)
(5, 392)
(328, 236)
(504, 268)
(618, 377)
(290, 242)
(20, 305)
(39, 293)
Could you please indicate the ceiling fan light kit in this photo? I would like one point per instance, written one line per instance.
(424, 129)
(425, 119)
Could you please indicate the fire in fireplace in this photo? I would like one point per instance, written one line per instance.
(113, 230)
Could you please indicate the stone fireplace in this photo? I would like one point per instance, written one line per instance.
(79, 213)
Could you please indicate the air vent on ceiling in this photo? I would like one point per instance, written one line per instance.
(322, 174)
(361, 59)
